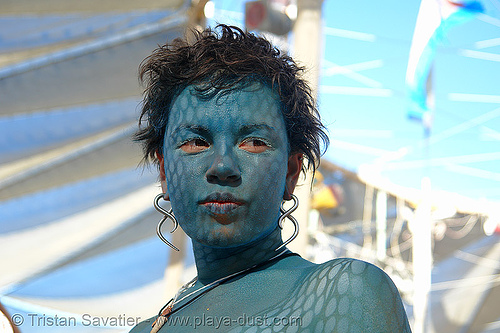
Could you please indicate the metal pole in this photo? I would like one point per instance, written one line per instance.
(175, 265)
(381, 222)
(422, 258)
(367, 220)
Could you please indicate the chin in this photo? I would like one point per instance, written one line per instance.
(226, 236)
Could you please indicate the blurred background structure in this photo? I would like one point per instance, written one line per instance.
(409, 91)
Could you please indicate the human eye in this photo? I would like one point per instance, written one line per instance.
(254, 145)
(193, 146)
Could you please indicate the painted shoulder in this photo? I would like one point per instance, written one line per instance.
(342, 295)
(358, 297)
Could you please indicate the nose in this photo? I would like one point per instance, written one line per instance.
(224, 170)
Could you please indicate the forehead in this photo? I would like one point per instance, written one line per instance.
(252, 104)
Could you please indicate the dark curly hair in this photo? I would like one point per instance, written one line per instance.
(219, 63)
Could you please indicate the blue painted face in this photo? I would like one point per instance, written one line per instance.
(226, 164)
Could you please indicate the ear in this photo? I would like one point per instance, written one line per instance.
(292, 175)
(163, 178)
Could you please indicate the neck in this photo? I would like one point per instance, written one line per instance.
(215, 263)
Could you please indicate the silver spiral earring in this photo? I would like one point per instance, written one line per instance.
(166, 214)
(285, 214)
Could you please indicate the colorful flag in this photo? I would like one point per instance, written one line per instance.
(434, 19)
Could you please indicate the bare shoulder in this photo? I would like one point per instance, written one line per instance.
(343, 295)
(358, 297)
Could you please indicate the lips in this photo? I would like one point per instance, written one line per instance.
(221, 203)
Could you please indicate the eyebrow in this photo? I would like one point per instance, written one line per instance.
(193, 128)
(245, 129)
(252, 128)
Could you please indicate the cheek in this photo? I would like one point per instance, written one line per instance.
(173, 172)
(178, 187)
(268, 178)
(183, 177)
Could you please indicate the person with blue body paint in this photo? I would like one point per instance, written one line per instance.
(228, 120)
